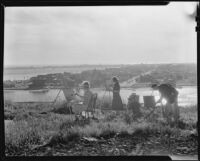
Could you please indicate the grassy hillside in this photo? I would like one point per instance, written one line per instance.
(50, 133)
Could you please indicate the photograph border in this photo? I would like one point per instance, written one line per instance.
(42, 3)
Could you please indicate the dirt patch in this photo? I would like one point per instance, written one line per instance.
(119, 145)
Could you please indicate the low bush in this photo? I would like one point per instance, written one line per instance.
(23, 134)
(62, 109)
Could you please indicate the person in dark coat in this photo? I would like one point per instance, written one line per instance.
(170, 94)
(134, 106)
(117, 101)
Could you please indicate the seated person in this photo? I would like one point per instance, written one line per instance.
(81, 104)
(134, 106)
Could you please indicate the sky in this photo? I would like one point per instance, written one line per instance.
(100, 35)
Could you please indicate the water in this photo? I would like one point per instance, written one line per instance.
(21, 73)
(26, 73)
(187, 95)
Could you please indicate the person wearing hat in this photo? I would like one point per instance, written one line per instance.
(82, 103)
(170, 94)
(117, 101)
(87, 93)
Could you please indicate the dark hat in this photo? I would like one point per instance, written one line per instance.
(115, 79)
(154, 85)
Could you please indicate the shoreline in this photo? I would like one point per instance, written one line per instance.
(136, 87)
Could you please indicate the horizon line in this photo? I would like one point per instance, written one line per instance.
(71, 65)
(84, 64)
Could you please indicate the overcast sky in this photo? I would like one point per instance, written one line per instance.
(100, 35)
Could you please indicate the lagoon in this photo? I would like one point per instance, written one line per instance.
(187, 95)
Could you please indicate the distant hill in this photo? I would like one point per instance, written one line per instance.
(98, 75)
(180, 73)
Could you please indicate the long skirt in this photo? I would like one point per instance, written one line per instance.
(117, 102)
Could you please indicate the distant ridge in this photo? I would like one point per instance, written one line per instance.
(87, 65)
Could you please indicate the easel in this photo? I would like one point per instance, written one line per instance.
(65, 86)
(151, 112)
(61, 89)
(105, 91)
(56, 98)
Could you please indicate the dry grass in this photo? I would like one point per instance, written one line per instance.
(31, 128)
(34, 130)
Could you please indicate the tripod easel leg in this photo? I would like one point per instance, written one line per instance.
(56, 98)
(70, 111)
(102, 100)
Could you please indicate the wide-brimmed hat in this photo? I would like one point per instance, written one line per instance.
(132, 96)
(85, 84)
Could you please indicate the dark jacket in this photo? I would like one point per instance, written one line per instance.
(168, 92)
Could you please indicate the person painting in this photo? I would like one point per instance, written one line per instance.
(170, 94)
(117, 101)
(82, 103)
(87, 93)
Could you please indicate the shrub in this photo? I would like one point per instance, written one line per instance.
(8, 115)
(22, 116)
(62, 109)
(110, 116)
(20, 137)
(23, 134)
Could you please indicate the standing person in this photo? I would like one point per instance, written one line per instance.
(117, 101)
(170, 94)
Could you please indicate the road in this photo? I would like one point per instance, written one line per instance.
(132, 81)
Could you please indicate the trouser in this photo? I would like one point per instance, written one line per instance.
(176, 112)
(171, 112)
